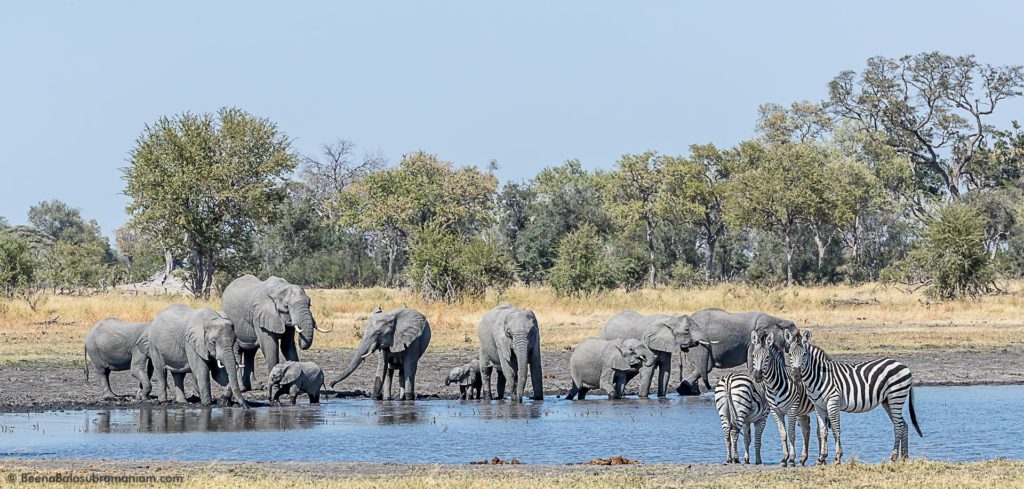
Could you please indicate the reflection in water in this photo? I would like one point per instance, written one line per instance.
(553, 431)
(205, 419)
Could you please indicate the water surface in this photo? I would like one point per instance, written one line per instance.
(959, 423)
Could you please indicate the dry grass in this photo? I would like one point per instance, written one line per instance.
(923, 474)
(896, 322)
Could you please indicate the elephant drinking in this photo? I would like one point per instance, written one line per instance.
(607, 365)
(510, 341)
(663, 334)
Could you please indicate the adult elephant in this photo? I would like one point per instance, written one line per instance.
(661, 333)
(200, 341)
(267, 314)
(114, 345)
(510, 341)
(402, 336)
(724, 339)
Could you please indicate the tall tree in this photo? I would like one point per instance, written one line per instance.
(933, 108)
(633, 193)
(200, 184)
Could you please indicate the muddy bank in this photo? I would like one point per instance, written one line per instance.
(41, 386)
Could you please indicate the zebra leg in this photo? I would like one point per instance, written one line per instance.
(780, 420)
(758, 431)
(805, 427)
(735, 434)
(746, 442)
(895, 431)
(822, 416)
(900, 430)
(833, 420)
(727, 434)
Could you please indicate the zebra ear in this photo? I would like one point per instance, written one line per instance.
(788, 335)
(805, 337)
(753, 337)
(769, 340)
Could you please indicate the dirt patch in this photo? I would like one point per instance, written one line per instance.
(51, 385)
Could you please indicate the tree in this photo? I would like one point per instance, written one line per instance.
(392, 204)
(694, 194)
(633, 193)
(446, 267)
(932, 108)
(951, 254)
(17, 268)
(327, 176)
(200, 184)
(776, 192)
(582, 266)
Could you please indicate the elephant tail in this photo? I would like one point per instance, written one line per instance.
(85, 355)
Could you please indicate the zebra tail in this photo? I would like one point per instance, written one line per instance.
(85, 355)
(913, 415)
(730, 410)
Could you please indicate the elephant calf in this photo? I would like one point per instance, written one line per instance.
(468, 379)
(295, 378)
(607, 365)
(114, 345)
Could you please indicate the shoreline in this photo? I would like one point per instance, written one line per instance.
(38, 386)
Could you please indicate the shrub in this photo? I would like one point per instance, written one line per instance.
(951, 254)
(687, 276)
(582, 266)
(445, 267)
(16, 265)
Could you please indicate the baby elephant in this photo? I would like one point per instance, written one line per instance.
(468, 379)
(296, 378)
(606, 364)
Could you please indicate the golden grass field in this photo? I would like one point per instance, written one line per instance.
(917, 474)
(891, 321)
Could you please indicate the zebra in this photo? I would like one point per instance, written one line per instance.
(741, 403)
(786, 397)
(854, 388)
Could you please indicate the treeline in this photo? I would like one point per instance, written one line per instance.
(899, 176)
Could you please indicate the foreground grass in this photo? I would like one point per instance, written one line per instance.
(888, 321)
(921, 473)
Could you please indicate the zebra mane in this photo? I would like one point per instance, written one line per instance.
(818, 352)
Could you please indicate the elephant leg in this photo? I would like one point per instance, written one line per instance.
(288, 349)
(389, 376)
(582, 393)
(378, 378)
(536, 374)
(664, 374)
(314, 398)
(268, 345)
(485, 377)
(501, 384)
(509, 372)
(104, 373)
(409, 370)
(293, 394)
(249, 361)
(179, 387)
(142, 371)
(646, 374)
(201, 372)
(161, 378)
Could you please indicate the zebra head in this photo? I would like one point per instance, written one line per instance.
(760, 361)
(799, 350)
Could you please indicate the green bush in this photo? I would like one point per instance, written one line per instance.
(582, 266)
(687, 276)
(951, 254)
(16, 265)
(444, 267)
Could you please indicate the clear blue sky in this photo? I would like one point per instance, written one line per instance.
(529, 84)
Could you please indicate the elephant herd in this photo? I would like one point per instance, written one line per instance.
(275, 316)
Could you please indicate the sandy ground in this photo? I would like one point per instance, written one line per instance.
(40, 386)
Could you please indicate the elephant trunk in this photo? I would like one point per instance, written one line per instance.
(520, 346)
(366, 347)
(232, 370)
(304, 323)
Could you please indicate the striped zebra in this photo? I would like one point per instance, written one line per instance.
(786, 397)
(741, 403)
(836, 387)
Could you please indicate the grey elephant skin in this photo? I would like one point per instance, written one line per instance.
(607, 365)
(467, 377)
(267, 315)
(295, 378)
(510, 341)
(725, 343)
(662, 333)
(402, 336)
(114, 345)
(201, 341)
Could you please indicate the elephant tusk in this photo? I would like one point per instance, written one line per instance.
(364, 357)
(219, 364)
(708, 343)
(318, 328)
(298, 329)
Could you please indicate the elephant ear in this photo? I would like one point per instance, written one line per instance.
(617, 360)
(267, 316)
(195, 337)
(291, 373)
(660, 339)
(408, 327)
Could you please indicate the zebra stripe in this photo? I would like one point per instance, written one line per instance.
(786, 397)
(836, 387)
(741, 403)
